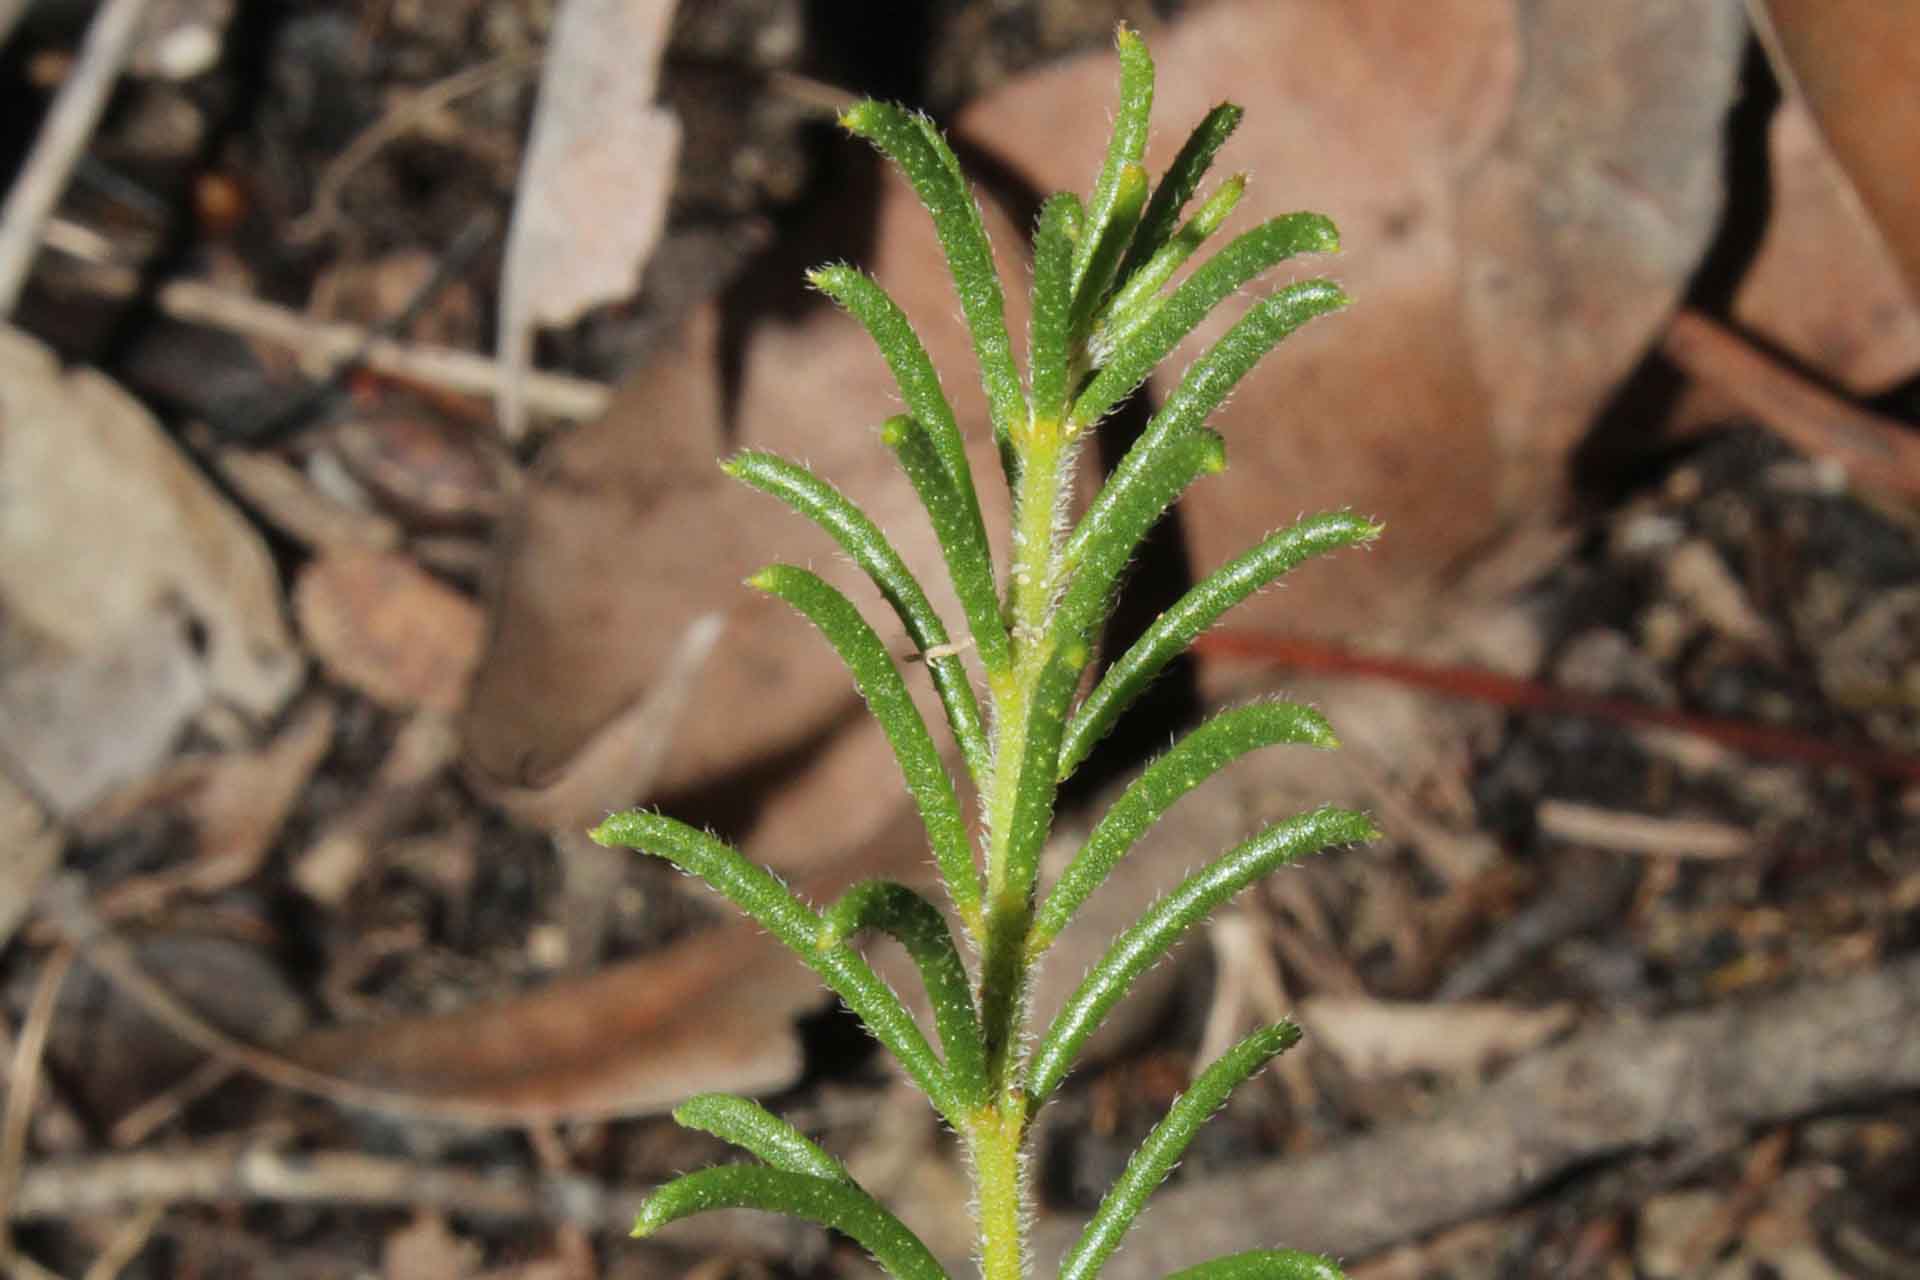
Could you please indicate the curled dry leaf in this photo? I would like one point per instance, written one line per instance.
(712, 1012)
(382, 625)
(593, 197)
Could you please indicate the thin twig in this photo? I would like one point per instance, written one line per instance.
(127, 1242)
(321, 345)
(401, 119)
(1301, 654)
(473, 237)
(62, 138)
(23, 1082)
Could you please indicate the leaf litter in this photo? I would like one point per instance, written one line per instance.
(393, 885)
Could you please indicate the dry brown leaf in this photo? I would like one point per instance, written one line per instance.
(1522, 193)
(1509, 266)
(105, 525)
(1856, 63)
(600, 164)
(1374, 1039)
(712, 1012)
(1824, 286)
(297, 508)
(382, 625)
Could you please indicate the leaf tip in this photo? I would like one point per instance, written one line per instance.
(607, 834)
(859, 118)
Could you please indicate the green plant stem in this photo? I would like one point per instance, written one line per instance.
(996, 1135)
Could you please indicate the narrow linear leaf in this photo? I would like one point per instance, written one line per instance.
(1194, 759)
(1150, 937)
(1264, 1264)
(1178, 184)
(1047, 358)
(1194, 612)
(955, 517)
(1127, 146)
(1163, 1147)
(751, 1127)
(879, 682)
(1033, 805)
(1120, 517)
(757, 893)
(914, 145)
(1137, 300)
(1205, 384)
(916, 924)
(1250, 254)
(861, 296)
(839, 1205)
(1096, 282)
(869, 548)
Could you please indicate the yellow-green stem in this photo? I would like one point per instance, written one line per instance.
(1009, 906)
(996, 1138)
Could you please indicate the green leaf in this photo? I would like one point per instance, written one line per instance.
(955, 516)
(1048, 357)
(751, 1127)
(1141, 350)
(862, 540)
(913, 144)
(1119, 518)
(1163, 1147)
(1149, 938)
(1205, 384)
(862, 298)
(1178, 184)
(1264, 1264)
(1137, 299)
(886, 693)
(755, 891)
(1196, 757)
(840, 1205)
(1129, 196)
(1193, 613)
(916, 924)
(1126, 147)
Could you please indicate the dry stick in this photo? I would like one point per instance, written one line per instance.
(321, 345)
(23, 1082)
(126, 1243)
(89, 1186)
(1875, 451)
(1627, 1084)
(62, 138)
